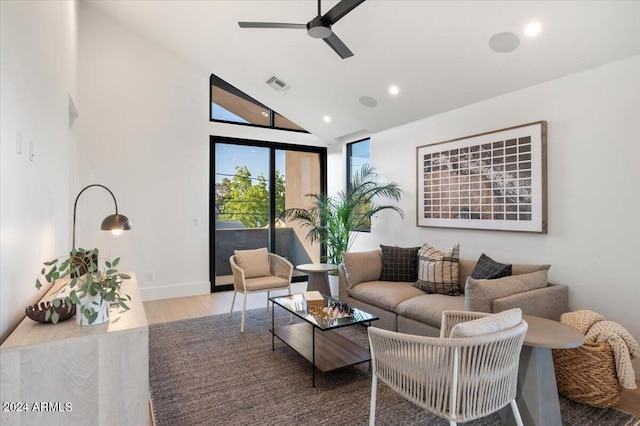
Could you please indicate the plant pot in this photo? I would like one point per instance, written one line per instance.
(100, 306)
(334, 285)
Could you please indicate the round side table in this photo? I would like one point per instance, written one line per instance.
(318, 280)
(537, 395)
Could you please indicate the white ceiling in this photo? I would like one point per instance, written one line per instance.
(437, 52)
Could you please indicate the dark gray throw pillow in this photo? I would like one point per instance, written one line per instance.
(399, 263)
(488, 269)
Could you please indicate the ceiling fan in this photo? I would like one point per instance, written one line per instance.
(318, 27)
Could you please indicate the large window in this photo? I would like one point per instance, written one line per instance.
(358, 154)
(252, 182)
(230, 105)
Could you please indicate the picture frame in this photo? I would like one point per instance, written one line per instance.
(495, 180)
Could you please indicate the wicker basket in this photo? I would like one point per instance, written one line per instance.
(588, 374)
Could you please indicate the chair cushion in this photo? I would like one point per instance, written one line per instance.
(428, 308)
(362, 266)
(487, 325)
(489, 269)
(254, 263)
(438, 271)
(384, 294)
(480, 294)
(266, 283)
(399, 264)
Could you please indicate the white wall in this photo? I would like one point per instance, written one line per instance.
(593, 151)
(145, 135)
(38, 48)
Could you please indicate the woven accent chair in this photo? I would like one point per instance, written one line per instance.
(279, 278)
(458, 379)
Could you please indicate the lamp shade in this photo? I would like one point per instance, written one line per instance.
(116, 222)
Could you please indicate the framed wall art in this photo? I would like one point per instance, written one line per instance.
(494, 180)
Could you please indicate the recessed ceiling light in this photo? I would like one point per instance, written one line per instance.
(532, 29)
(326, 119)
(265, 113)
(394, 90)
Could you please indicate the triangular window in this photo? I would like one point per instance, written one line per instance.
(230, 105)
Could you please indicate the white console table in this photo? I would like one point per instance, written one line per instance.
(89, 375)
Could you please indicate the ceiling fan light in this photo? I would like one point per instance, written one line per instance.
(317, 29)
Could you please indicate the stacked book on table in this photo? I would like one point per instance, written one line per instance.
(313, 299)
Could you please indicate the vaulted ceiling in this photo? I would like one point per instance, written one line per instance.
(436, 52)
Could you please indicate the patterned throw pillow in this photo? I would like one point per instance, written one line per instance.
(438, 271)
(488, 269)
(399, 263)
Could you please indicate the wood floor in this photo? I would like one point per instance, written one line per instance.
(159, 311)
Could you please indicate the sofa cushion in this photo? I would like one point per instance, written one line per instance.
(384, 294)
(254, 263)
(465, 268)
(399, 264)
(489, 269)
(438, 271)
(517, 269)
(428, 308)
(480, 294)
(362, 266)
(487, 325)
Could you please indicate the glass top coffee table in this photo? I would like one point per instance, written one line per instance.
(315, 338)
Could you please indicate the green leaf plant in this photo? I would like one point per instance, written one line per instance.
(331, 219)
(81, 267)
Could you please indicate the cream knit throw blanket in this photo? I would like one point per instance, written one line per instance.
(597, 329)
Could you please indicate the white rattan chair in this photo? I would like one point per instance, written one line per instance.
(459, 379)
(279, 279)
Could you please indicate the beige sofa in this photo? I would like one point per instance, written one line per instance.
(403, 307)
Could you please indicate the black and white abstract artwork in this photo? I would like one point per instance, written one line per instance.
(494, 180)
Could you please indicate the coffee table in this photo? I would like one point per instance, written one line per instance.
(315, 338)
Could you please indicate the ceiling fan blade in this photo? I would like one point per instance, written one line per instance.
(271, 25)
(337, 45)
(339, 10)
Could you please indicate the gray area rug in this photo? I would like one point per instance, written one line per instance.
(203, 371)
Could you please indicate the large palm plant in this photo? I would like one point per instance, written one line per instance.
(330, 220)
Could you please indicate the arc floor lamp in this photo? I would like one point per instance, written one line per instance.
(114, 222)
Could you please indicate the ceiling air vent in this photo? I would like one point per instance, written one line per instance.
(278, 85)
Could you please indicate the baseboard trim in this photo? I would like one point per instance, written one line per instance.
(175, 290)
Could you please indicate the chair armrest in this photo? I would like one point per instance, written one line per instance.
(238, 275)
(548, 302)
(280, 266)
(451, 318)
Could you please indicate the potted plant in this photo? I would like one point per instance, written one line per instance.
(332, 219)
(91, 289)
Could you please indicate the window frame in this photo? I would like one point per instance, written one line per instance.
(349, 155)
(273, 146)
(350, 171)
(237, 92)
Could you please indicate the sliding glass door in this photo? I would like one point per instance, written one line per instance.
(252, 182)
